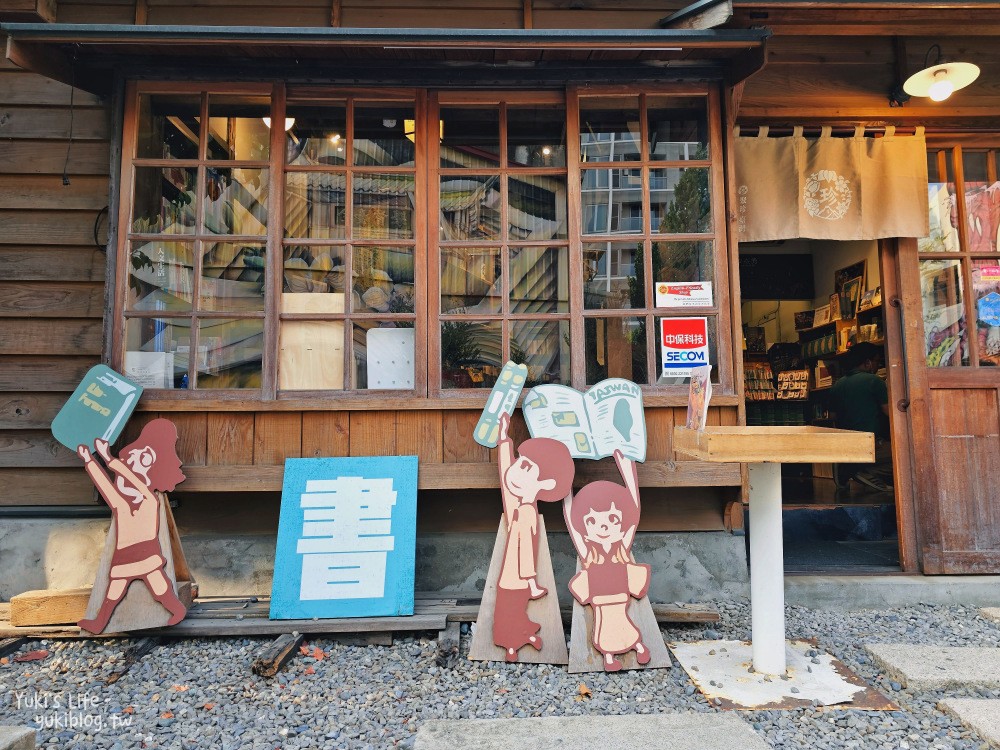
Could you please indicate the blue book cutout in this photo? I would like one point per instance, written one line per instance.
(502, 400)
(99, 408)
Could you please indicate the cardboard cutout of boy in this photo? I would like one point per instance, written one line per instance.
(520, 575)
(144, 469)
(602, 520)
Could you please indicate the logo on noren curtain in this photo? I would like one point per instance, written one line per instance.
(827, 195)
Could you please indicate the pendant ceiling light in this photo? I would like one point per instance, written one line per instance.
(939, 80)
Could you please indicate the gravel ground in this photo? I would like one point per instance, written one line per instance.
(201, 693)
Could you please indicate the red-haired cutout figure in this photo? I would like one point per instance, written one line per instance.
(150, 465)
(602, 519)
(543, 470)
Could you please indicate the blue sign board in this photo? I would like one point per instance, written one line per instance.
(346, 538)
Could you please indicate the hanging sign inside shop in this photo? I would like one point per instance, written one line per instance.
(989, 309)
(346, 538)
(683, 293)
(684, 345)
(98, 409)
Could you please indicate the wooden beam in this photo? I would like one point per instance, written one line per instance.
(53, 63)
(28, 11)
(65, 607)
(262, 478)
(527, 21)
(336, 13)
(703, 14)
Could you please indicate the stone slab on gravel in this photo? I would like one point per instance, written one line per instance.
(982, 715)
(17, 738)
(706, 731)
(991, 613)
(937, 667)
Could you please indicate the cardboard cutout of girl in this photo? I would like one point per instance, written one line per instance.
(602, 519)
(542, 470)
(150, 466)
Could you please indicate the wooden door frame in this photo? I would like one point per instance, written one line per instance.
(908, 409)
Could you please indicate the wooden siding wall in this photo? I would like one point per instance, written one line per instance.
(847, 79)
(478, 14)
(51, 276)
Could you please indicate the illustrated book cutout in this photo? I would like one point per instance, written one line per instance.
(137, 578)
(502, 400)
(520, 584)
(98, 409)
(593, 424)
(543, 611)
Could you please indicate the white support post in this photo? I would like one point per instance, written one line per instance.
(767, 569)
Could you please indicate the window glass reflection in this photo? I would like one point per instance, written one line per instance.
(164, 200)
(229, 353)
(314, 205)
(945, 338)
(470, 207)
(319, 135)
(609, 129)
(471, 353)
(536, 136)
(168, 126)
(543, 346)
(470, 137)
(383, 205)
(612, 201)
(239, 127)
(470, 280)
(678, 128)
(537, 207)
(610, 281)
(615, 348)
(236, 201)
(384, 134)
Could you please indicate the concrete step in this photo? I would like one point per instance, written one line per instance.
(981, 715)
(17, 738)
(938, 667)
(887, 591)
(714, 731)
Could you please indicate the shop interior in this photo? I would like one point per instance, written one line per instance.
(813, 315)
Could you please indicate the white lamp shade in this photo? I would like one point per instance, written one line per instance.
(959, 74)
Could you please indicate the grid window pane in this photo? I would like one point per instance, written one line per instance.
(169, 126)
(471, 353)
(942, 209)
(539, 280)
(383, 279)
(470, 207)
(986, 286)
(319, 135)
(945, 341)
(713, 354)
(615, 348)
(232, 278)
(384, 356)
(229, 353)
(156, 351)
(470, 137)
(609, 129)
(384, 134)
(314, 269)
(236, 201)
(680, 200)
(164, 200)
(683, 261)
(610, 277)
(678, 128)
(612, 201)
(161, 276)
(314, 205)
(536, 136)
(383, 206)
(239, 127)
(536, 207)
(542, 345)
(471, 281)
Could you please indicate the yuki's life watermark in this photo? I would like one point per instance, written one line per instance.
(64, 710)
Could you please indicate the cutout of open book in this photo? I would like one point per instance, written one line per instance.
(593, 424)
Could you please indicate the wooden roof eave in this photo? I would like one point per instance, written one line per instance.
(82, 54)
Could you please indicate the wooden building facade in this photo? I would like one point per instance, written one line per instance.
(149, 210)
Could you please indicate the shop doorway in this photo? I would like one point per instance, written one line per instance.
(814, 354)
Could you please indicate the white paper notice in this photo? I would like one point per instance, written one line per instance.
(683, 293)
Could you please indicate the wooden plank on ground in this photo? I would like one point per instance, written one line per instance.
(132, 655)
(55, 607)
(276, 655)
(448, 645)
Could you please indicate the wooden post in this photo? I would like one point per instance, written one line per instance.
(767, 570)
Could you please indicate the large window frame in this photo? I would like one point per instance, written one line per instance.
(947, 163)
(427, 392)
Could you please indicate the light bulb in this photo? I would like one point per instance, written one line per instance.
(335, 138)
(289, 122)
(546, 150)
(941, 89)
